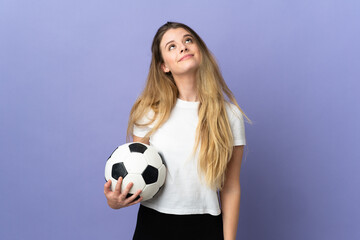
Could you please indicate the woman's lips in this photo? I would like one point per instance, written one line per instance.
(186, 57)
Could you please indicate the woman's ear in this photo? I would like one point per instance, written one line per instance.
(164, 68)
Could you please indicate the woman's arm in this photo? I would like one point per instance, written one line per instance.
(230, 194)
(142, 140)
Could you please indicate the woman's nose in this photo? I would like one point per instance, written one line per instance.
(184, 48)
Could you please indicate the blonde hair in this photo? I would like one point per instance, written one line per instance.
(213, 133)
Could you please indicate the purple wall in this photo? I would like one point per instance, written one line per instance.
(70, 71)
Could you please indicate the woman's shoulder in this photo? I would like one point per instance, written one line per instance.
(147, 117)
(232, 110)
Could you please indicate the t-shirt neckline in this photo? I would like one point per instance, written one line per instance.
(186, 104)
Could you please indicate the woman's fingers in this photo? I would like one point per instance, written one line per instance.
(130, 200)
(126, 191)
(117, 190)
(119, 198)
(107, 187)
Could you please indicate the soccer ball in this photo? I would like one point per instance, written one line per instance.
(138, 163)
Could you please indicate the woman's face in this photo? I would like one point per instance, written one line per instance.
(180, 52)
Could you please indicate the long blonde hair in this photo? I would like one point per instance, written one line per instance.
(213, 133)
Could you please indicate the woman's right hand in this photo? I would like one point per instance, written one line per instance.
(117, 199)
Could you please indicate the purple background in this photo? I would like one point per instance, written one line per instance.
(71, 70)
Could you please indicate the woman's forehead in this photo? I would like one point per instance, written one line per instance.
(173, 34)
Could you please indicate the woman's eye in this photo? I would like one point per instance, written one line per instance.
(188, 40)
(171, 46)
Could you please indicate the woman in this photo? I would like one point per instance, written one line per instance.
(183, 113)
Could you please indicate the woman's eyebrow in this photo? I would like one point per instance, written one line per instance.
(186, 35)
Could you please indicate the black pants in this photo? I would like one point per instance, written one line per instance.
(152, 224)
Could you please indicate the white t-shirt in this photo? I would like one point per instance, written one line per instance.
(183, 191)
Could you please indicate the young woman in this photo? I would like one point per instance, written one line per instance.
(184, 113)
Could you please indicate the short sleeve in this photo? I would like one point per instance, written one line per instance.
(141, 131)
(237, 124)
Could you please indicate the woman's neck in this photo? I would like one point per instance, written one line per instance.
(186, 85)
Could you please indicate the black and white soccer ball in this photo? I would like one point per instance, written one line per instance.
(138, 163)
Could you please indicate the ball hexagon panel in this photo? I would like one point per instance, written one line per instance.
(153, 158)
(120, 153)
(149, 190)
(138, 181)
(150, 174)
(135, 163)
